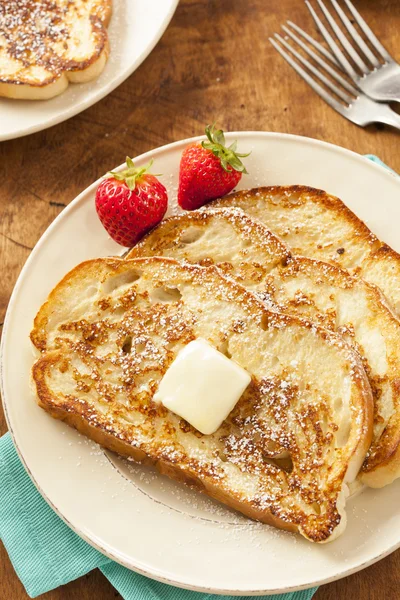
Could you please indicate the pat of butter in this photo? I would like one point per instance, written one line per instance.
(202, 386)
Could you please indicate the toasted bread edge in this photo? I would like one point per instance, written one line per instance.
(108, 440)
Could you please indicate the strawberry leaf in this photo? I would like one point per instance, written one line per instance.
(131, 182)
(129, 163)
(131, 175)
(229, 157)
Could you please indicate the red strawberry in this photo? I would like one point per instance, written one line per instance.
(208, 170)
(130, 203)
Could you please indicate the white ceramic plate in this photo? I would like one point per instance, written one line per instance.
(137, 517)
(135, 28)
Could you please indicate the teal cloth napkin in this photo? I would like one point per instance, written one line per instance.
(46, 553)
(378, 161)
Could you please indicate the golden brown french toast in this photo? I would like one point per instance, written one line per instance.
(321, 226)
(46, 44)
(294, 441)
(327, 294)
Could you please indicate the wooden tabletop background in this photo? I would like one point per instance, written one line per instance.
(213, 62)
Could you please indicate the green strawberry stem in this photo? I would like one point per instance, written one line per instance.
(131, 175)
(230, 159)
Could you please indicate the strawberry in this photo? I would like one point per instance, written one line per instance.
(130, 203)
(208, 170)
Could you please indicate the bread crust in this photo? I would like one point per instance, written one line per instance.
(291, 196)
(177, 473)
(144, 277)
(266, 266)
(294, 213)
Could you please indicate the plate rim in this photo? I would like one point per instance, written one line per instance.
(105, 91)
(71, 206)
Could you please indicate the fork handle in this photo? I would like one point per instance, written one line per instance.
(389, 117)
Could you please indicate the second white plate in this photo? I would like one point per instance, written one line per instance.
(136, 517)
(135, 28)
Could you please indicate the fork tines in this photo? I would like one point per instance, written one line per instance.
(356, 57)
(345, 91)
(355, 80)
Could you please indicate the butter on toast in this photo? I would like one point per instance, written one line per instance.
(328, 295)
(321, 226)
(298, 435)
(46, 44)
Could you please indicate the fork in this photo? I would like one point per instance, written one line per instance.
(380, 79)
(350, 102)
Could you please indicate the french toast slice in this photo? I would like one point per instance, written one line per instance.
(45, 45)
(296, 438)
(318, 225)
(328, 295)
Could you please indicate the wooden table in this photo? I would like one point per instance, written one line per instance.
(214, 61)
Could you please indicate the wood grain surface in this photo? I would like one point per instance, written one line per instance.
(213, 62)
